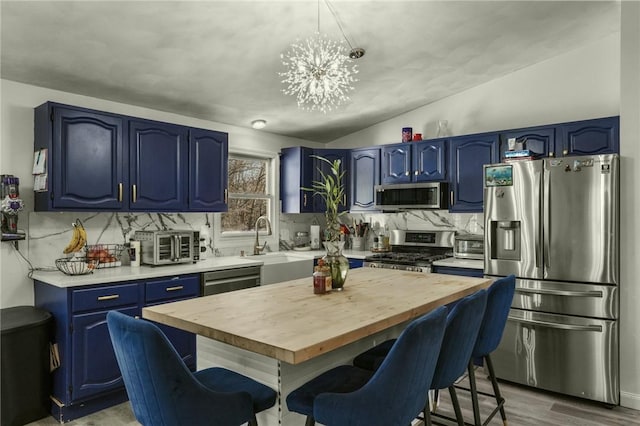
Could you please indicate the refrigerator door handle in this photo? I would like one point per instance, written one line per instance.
(572, 327)
(593, 293)
(546, 208)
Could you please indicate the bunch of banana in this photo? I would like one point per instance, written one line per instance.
(78, 239)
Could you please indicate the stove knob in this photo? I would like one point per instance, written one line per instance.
(409, 268)
(418, 269)
(394, 266)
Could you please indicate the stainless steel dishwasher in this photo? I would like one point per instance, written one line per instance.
(225, 280)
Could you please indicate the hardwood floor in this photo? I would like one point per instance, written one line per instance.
(525, 407)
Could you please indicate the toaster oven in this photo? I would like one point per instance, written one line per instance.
(468, 246)
(168, 247)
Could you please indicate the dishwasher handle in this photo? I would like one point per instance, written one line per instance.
(233, 280)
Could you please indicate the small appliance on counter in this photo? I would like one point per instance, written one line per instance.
(468, 246)
(168, 247)
(10, 205)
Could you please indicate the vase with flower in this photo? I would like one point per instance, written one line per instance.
(331, 189)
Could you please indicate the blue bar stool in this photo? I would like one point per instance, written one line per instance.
(162, 390)
(499, 298)
(392, 395)
(463, 324)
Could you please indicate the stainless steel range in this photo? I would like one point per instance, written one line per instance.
(413, 250)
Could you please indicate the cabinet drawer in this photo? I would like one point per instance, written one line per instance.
(172, 288)
(104, 297)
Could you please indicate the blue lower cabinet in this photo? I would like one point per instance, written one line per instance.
(449, 270)
(355, 263)
(88, 378)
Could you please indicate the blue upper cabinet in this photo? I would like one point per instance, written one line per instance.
(540, 140)
(599, 136)
(429, 159)
(98, 161)
(296, 172)
(86, 158)
(396, 163)
(467, 156)
(208, 185)
(158, 166)
(414, 162)
(365, 175)
(319, 165)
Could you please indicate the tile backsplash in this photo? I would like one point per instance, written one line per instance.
(49, 233)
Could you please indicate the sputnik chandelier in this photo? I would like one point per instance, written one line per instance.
(319, 72)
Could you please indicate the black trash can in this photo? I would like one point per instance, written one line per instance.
(25, 375)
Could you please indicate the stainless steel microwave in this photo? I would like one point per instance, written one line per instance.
(426, 195)
(168, 247)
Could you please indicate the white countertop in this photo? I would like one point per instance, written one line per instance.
(460, 263)
(127, 273)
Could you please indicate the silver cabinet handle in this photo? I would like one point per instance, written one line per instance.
(591, 327)
(416, 173)
(406, 173)
(110, 297)
(593, 293)
(176, 288)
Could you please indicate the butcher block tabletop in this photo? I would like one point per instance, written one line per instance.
(286, 321)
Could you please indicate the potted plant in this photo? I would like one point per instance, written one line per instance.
(331, 190)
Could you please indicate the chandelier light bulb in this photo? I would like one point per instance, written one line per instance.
(318, 73)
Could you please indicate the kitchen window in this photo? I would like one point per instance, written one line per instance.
(250, 194)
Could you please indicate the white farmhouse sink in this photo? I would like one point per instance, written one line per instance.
(281, 266)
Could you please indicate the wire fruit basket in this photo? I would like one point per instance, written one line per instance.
(108, 255)
(76, 265)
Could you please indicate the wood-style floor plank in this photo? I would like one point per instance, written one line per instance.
(525, 407)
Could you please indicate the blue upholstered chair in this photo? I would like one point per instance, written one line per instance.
(463, 324)
(392, 395)
(163, 391)
(499, 298)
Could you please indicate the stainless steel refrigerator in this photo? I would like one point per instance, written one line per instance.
(554, 223)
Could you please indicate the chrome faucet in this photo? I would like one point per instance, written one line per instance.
(257, 248)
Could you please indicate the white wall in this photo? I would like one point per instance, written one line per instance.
(630, 205)
(582, 84)
(16, 157)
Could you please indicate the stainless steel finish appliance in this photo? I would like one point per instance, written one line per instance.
(168, 247)
(426, 195)
(468, 246)
(554, 224)
(413, 250)
(225, 280)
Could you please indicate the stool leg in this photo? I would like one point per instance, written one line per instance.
(496, 390)
(310, 421)
(474, 395)
(253, 422)
(456, 405)
(427, 415)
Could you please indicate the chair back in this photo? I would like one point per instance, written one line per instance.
(499, 298)
(395, 394)
(161, 388)
(463, 324)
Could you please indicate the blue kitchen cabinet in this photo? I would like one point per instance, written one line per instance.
(88, 378)
(86, 158)
(321, 167)
(158, 166)
(539, 140)
(589, 137)
(208, 170)
(355, 263)
(296, 172)
(451, 270)
(396, 163)
(422, 161)
(365, 175)
(467, 156)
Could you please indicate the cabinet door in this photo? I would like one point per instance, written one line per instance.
(88, 161)
(429, 160)
(208, 155)
(158, 166)
(600, 136)
(468, 155)
(94, 367)
(449, 270)
(296, 172)
(539, 140)
(396, 163)
(365, 175)
(319, 165)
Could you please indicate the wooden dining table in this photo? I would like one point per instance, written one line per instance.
(283, 334)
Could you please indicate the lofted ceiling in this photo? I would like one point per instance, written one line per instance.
(219, 60)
